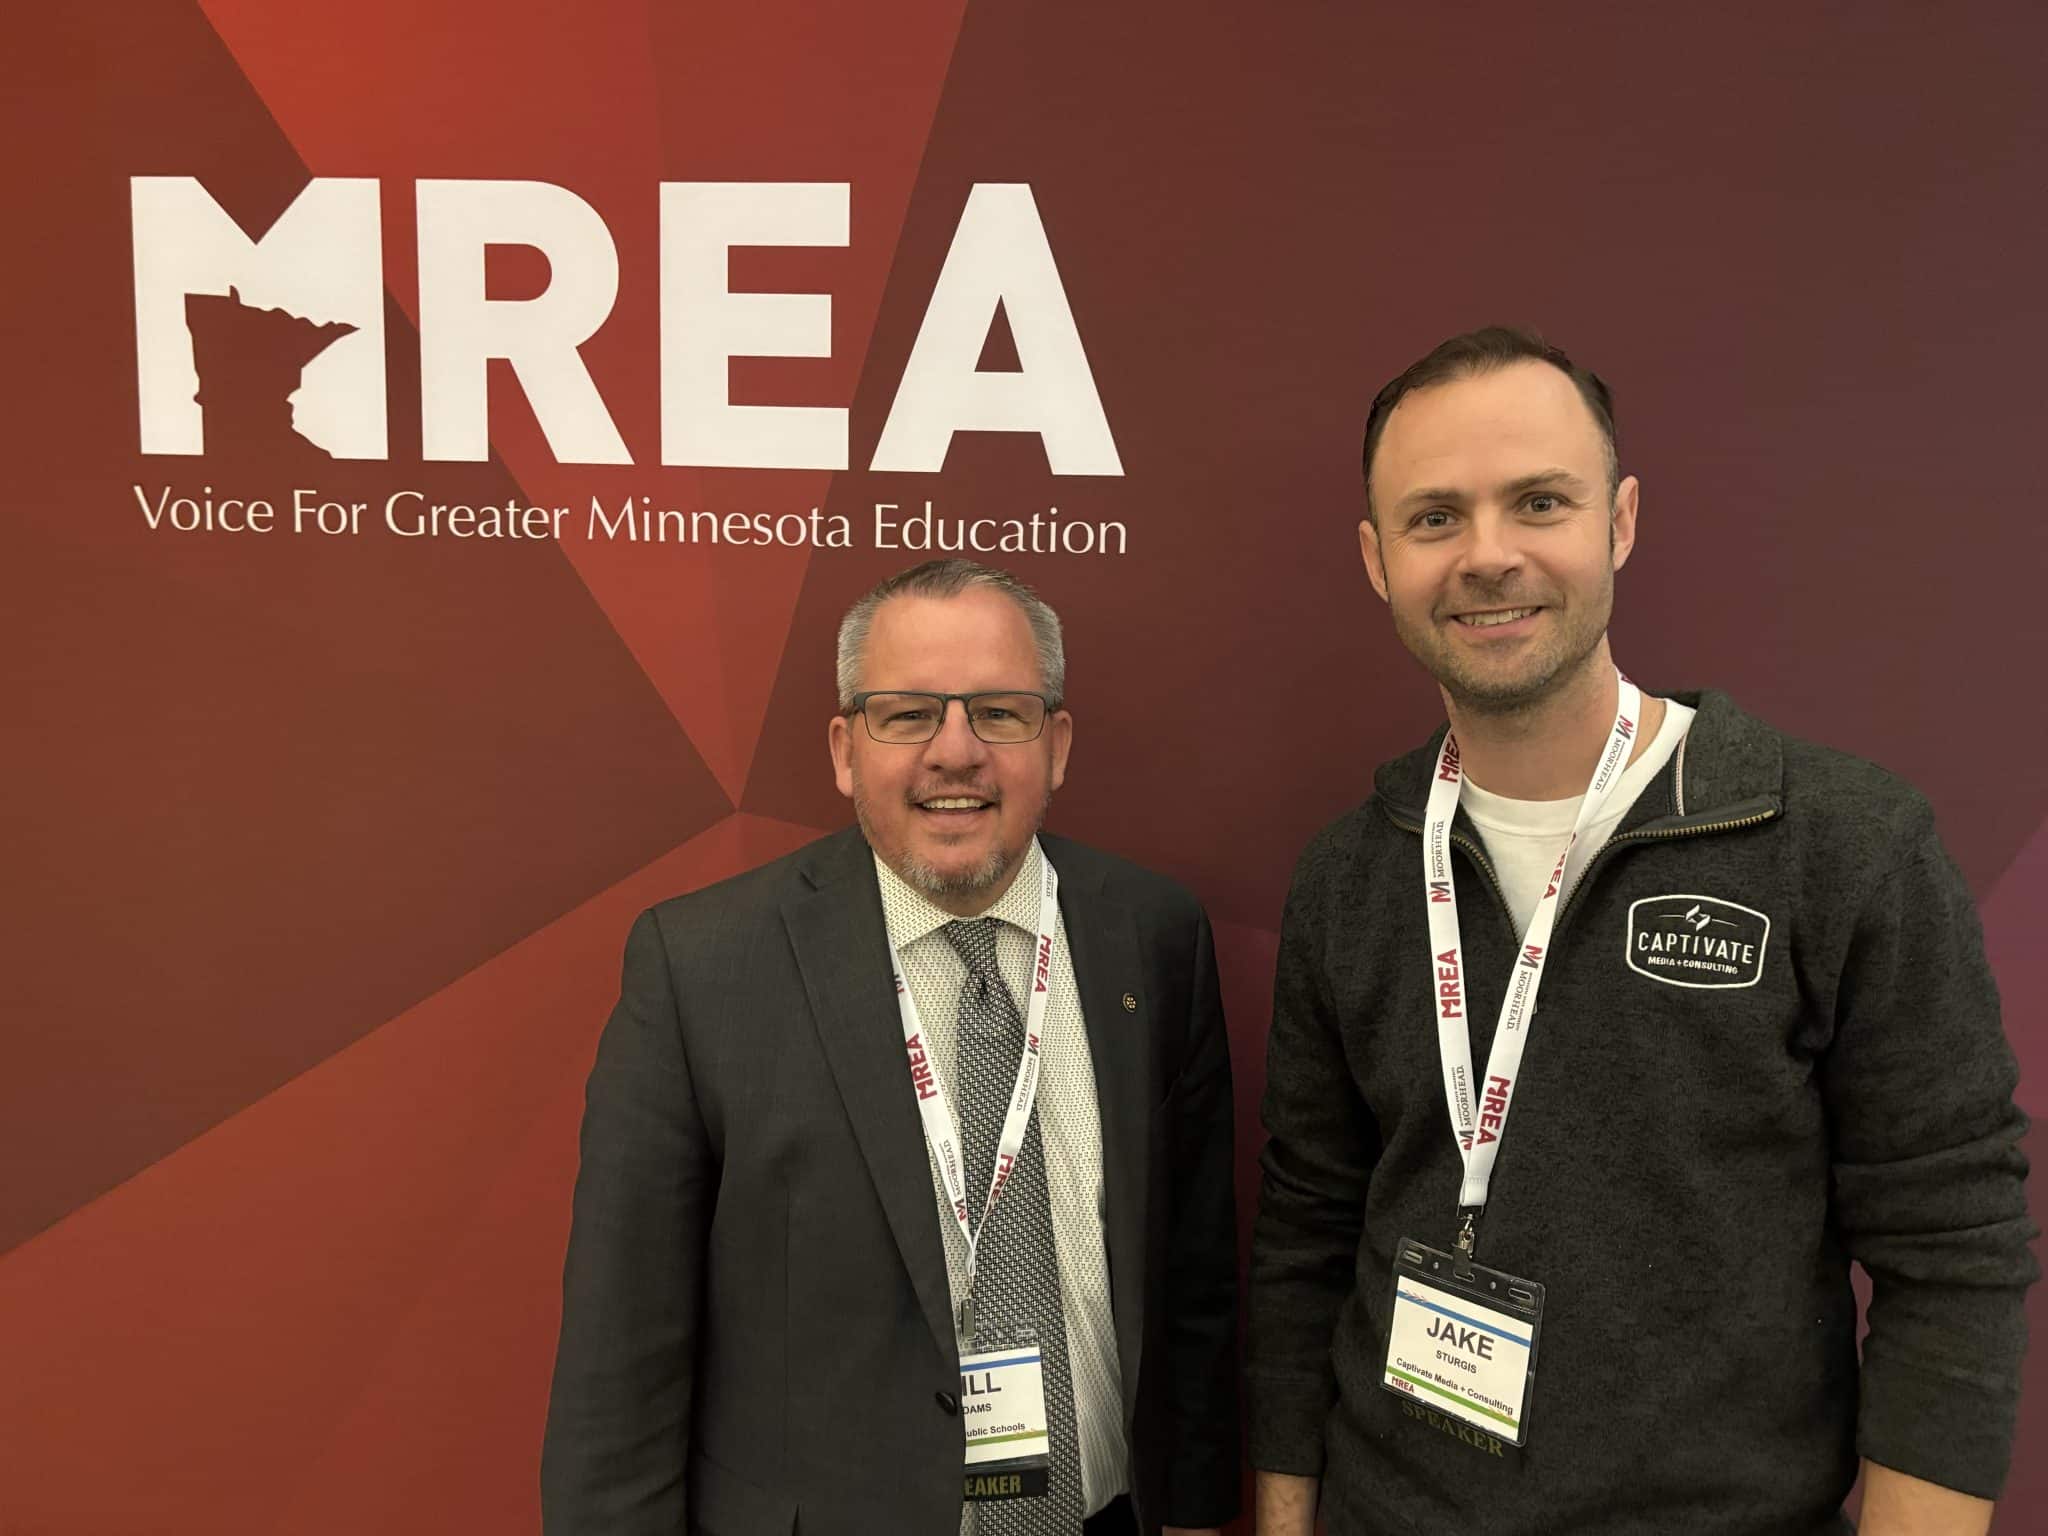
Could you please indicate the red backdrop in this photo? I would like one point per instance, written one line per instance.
(320, 851)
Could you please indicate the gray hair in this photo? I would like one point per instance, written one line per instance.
(950, 578)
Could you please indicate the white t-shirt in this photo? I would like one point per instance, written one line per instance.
(1523, 836)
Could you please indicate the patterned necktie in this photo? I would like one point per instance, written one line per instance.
(1017, 1277)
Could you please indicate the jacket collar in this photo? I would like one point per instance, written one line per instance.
(1110, 973)
(836, 926)
(1730, 762)
(833, 914)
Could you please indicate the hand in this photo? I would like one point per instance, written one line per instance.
(1897, 1505)
(1285, 1504)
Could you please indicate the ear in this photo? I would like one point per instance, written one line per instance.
(1375, 563)
(1622, 530)
(839, 737)
(1061, 728)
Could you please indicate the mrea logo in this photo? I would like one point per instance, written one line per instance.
(1004, 1164)
(1493, 1108)
(921, 1068)
(1696, 941)
(309, 296)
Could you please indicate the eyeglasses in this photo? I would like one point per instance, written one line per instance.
(905, 719)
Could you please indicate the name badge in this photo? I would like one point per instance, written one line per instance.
(1462, 1340)
(1002, 1409)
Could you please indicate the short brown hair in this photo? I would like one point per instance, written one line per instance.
(1482, 351)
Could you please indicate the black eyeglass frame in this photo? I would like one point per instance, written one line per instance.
(859, 706)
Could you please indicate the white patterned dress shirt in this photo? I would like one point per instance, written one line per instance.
(1069, 1126)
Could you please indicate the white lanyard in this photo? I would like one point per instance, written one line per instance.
(939, 1127)
(1481, 1122)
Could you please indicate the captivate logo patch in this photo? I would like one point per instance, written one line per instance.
(1696, 941)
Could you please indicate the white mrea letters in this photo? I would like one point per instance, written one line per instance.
(704, 327)
(461, 330)
(1000, 257)
(322, 260)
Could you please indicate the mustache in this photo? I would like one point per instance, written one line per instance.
(1480, 594)
(936, 789)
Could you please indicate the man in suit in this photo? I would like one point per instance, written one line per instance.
(921, 1131)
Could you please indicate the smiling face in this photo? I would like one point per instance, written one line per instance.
(952, 816)
(1494, 541)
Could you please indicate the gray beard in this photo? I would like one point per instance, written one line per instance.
(924, 879)
(929, 881)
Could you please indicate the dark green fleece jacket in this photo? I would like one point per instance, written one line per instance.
(1768, 1044)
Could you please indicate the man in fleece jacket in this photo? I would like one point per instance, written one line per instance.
(1607, 1033)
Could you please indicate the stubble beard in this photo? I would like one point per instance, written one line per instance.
(1526, 688)
(928, 879)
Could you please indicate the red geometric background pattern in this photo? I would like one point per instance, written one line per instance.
(321, 856)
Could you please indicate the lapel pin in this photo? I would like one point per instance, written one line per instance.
(1130, 1003)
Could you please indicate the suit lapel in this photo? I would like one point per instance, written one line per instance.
(1103, 942)
(842, 949)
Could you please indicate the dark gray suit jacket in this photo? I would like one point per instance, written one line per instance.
(756, 1327)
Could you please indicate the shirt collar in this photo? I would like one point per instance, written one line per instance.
(910, 915)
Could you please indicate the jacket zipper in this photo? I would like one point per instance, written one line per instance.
(1640, 835)
(1472, 851)
(1653, 834)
